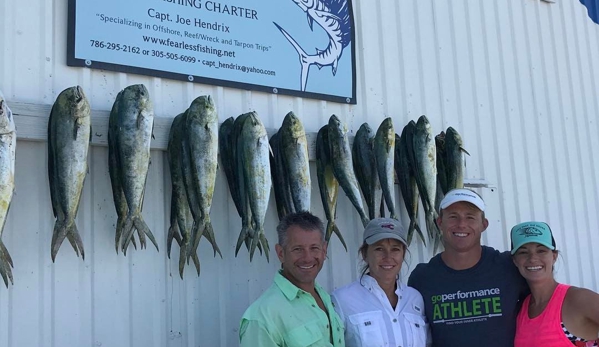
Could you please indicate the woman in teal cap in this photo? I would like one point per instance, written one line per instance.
(554, 314)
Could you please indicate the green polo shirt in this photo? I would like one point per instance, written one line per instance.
(287, 316)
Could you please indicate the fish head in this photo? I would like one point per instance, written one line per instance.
(423, 125)
(305, 4)
(365, 130)
(203, 107)
(7, 124)
(293, 126)
(336, 128)
(256, 128)
(454, 135)
(136, 97)
(73, 100)
(440, 140)
(386, 130)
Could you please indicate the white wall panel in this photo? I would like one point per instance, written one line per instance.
(517, 78)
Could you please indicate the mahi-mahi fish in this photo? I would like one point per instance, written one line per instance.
(8, 144)
(200, 154)
(333, 17)
(343, 166)
(69, 130)
(134, 124)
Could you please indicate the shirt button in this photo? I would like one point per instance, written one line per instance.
(395, 321)
(313, 305)
(327, 326)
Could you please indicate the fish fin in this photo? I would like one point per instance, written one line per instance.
(209, 235)
(257, 237)
(138, 120)
(76, 130)
(310, 21)
(264, 243)
(240, 240)
(305, 60)
(118, 233)
(173, 234)
(127, 234)
(183, 256)
(58, 236)
(464, 150)
(73, 243)
(321, 13)
(338, 233)
(410, 232)
(419, 231)
(142, 227)
(196, 262)
(431, 226)
(6, 265)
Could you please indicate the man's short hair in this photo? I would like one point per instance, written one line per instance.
(304, 220)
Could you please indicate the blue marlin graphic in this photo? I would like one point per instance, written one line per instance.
(333, 17)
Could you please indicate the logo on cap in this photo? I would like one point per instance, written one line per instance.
(388, 226)
(531, 231)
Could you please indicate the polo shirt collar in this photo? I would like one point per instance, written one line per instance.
(288, 289)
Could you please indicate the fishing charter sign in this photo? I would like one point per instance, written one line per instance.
(265, 45)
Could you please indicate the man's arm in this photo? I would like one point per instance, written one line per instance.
(253, 333)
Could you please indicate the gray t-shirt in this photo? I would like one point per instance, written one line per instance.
(472, 307)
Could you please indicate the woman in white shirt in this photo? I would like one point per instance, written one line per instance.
(377, 309)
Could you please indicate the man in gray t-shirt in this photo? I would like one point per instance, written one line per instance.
(471, 292)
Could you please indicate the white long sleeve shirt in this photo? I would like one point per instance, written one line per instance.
(371, 321)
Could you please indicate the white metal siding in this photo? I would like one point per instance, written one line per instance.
(515, 77)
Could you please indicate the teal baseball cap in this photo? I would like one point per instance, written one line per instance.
(529, 232)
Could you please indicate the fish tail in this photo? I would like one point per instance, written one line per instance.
(75, 241)
(243, 235)
(431, 226)
(183, 256)
(5, 265)
(264, 243)
(411, 228)
(142, 228)
(255, 239)
(196, 262)
(338, 233)
(419, 231)
(58, 236)
(172, 234)
(142, 239)
(209, 234)
(119, 232)
(127, 234)
(303, 56)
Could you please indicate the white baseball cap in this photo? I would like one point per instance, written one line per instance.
(462, 194)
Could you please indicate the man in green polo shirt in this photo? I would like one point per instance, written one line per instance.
(295, 311)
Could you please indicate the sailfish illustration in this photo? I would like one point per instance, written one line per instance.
(333, 17)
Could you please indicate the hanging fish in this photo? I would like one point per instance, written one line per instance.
(327, 183)
(425, 170)
(454, 159)
(365, 166)
(384, 153)
(253, 159)
(8, 145)
(296, 162)
(343, 166)
(132, 131)
(69, 130)
(200, 155)
(406, 179)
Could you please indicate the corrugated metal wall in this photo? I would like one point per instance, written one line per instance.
(516, 78)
